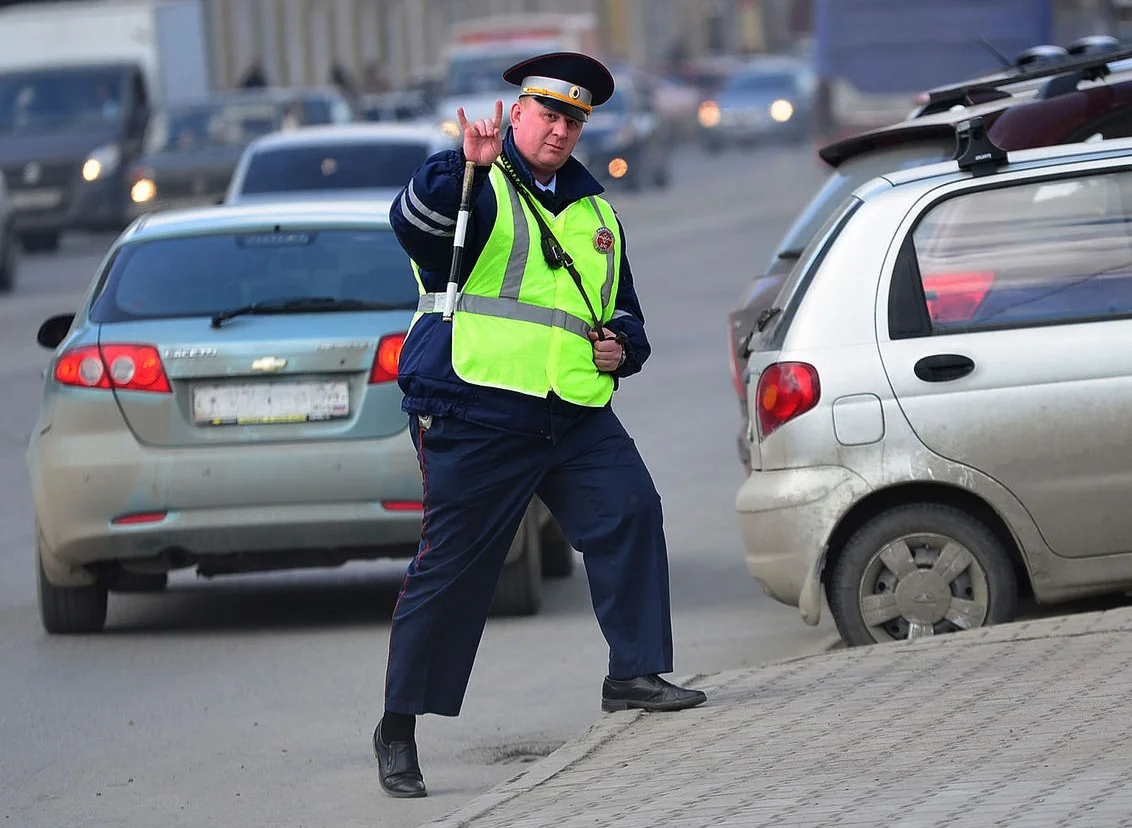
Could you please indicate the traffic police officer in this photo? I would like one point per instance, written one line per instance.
(512, 399)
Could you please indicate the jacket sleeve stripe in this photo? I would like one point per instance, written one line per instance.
(424, 212)
(408, 213)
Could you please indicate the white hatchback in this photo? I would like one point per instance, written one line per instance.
(941, 396)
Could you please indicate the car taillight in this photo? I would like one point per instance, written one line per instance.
(386, 359)
(786, 390)
(125, 367)
(954, 297)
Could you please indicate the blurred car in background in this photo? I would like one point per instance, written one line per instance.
(9, 241)
(225, 400)
(359, 161)
(624, 142)
(402, 105)
(768, 99)
(1076, 100)
(192, 149)
(675, 102)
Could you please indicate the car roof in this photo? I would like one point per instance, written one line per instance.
(359, 132)
(1050, 156)
(343, 213)
(990, 96)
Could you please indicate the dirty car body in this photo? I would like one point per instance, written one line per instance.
(938, 403)
(171, 436)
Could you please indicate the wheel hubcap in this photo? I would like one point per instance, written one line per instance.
(922, 584)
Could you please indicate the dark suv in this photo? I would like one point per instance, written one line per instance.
(1054, 97)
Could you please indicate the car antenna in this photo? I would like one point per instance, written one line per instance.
(1003, 59)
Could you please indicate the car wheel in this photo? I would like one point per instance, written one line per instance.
(41, 242)
(9, 252)
(140, 582)
(557, 553)
(920, 570)
(519, 591)
(70, 610)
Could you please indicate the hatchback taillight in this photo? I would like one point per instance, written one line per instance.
(125, 367)
(786, 390)
(386, 359)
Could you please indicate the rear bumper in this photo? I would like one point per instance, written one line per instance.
(281, 499)
(786, 518)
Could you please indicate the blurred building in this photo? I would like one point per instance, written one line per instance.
(381, 44)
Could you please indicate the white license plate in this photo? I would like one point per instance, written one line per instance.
(41, 199)
(259, 403)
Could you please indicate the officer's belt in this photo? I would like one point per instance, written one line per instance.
(508, 309)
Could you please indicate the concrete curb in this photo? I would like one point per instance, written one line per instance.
(604, 730)
(607, 728)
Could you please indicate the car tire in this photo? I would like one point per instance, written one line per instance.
(9, 261)
(557, 554)
(70, 610)
(46, 241)
(872, 602)
(140, 582)
(519, 591)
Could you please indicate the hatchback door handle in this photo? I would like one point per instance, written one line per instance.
(944, 367)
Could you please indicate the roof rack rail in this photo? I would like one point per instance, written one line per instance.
(974, 150)
(1088, 65)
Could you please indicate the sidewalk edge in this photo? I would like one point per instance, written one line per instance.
(607, 728)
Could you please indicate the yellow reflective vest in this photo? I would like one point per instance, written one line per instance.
(523, 326)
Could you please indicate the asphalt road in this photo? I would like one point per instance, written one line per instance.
(250, 700)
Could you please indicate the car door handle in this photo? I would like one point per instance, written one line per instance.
(944, 367)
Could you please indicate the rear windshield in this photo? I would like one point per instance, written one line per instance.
(334, 167)
(203, 275)
(851, 175)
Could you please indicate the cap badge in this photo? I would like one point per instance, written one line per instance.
(603, 240)
(575, 92)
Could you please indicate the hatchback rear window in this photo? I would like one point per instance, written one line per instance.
(334, 166)
(1032, 253)
(203, 275)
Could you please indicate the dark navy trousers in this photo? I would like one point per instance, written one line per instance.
(478, 482)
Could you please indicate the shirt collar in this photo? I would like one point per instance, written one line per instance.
(549, 186)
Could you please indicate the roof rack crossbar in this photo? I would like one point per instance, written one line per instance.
(1091, 67)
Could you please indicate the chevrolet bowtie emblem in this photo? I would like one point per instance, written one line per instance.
(269, 363)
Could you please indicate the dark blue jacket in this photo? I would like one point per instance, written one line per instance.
(426, 376)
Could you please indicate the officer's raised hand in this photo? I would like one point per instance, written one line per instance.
(483, 139)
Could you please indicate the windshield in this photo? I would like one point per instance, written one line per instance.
(334, 166)
(205, 275)
(60, 100)
(189, 128)
(851, 175)
(479, 74)
(760, 82)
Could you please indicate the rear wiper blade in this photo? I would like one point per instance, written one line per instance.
(766, 316)
(305, 304)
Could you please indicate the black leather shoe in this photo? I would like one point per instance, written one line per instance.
(647, 693)
(398, 768)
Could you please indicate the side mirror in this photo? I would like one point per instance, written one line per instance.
(54, 330)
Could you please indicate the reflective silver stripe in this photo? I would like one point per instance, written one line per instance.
(607, 288)
(508, 309)
(432, 215)
(520, 248)
(407, 212)
(619, 313)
